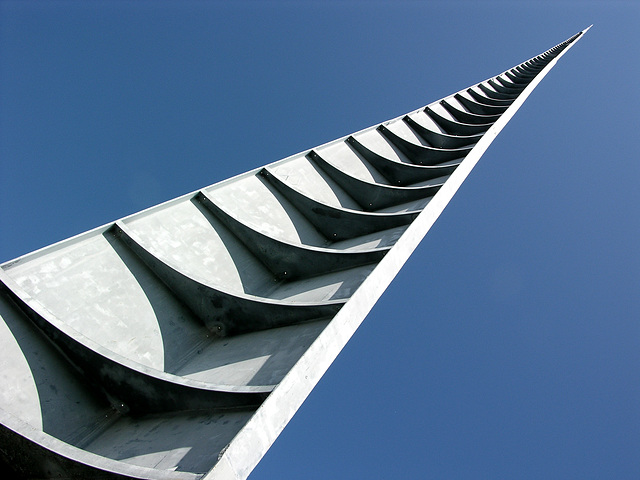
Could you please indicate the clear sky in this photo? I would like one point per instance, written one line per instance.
(509, 345)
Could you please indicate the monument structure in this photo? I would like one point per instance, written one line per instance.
(176, 343)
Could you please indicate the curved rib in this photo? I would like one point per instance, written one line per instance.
(439, 139)
(456, 128)
(500, 88)
(495, 94)
(123, 299)
(423, 155)
(485, 100)
(479, 108)
(526, 71)
(141, 388)
(287, 260)
(338, 223)
(517, 79)
(470, 118)
(533, 65)
(510, 86)
(519, 72)
(403, 173)
(229, 313)
(37, 454)
(70, 428)
(373, 196)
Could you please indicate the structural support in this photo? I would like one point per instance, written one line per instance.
(178, 342)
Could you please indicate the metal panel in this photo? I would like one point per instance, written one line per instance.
(178, 342)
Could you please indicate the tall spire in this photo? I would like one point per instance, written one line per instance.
(179, 341)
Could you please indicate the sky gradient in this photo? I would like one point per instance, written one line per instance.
(509, 344)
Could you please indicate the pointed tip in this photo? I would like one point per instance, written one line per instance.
(587, 29)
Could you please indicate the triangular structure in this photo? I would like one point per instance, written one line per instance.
(177, 343)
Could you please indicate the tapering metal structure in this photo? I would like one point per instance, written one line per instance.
(177, 343)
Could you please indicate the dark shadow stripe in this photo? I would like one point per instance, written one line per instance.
(456, 128)
(423, 155)
(289, 261)
(226, 313)
(400, 173)
(338, 223)
(494, 94)
(373, 196)
(470, 118)
(139, 391)
(479, 108)
(487, 100)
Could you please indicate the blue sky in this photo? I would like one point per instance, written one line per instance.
(508, 346)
